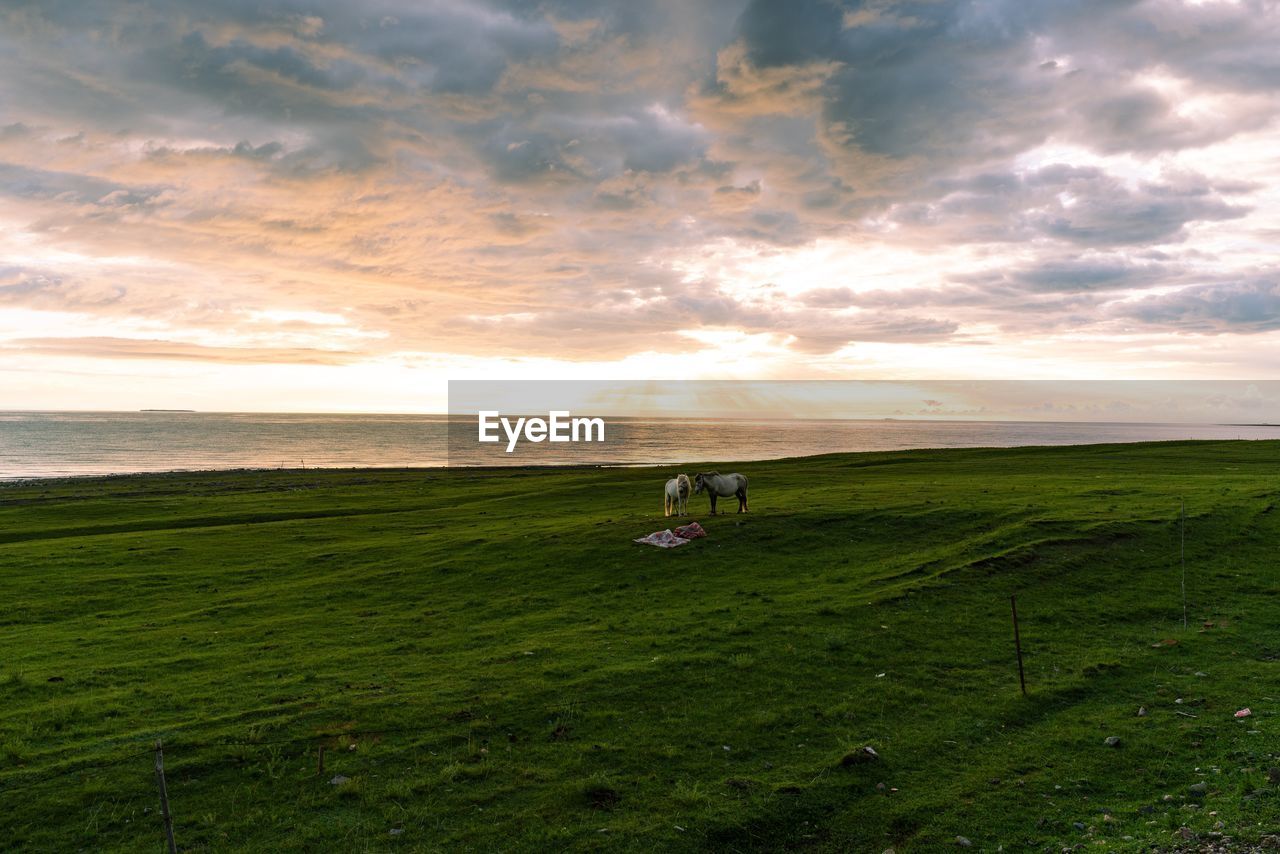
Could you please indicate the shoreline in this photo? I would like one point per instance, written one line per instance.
(27, 480)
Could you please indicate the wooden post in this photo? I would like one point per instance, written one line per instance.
(1182, 548)
(320, 761)
(164, 798)
(1017, 644)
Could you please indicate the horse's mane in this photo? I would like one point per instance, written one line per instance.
(709, 473)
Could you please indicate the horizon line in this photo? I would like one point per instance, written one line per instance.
(656, 416)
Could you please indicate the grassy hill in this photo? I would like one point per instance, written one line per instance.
(492, 664)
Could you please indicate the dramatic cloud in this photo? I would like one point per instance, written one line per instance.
(775, 187)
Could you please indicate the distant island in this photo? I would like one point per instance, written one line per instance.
(166, 410)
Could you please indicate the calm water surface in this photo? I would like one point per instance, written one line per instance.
(56, 444)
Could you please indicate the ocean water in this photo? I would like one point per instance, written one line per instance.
(60, 444)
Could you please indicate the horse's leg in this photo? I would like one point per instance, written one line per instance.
(713, 503)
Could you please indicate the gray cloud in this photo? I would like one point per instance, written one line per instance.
(72, 188)
(1082, 206)
(1215, 309)
(1102, 273)
(1100, 211)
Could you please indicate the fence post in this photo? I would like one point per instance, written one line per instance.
(1182, 554)
(1017, 644)
(164, 798)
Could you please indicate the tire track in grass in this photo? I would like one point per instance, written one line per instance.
(181, 524)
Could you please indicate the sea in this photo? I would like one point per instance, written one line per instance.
(68, 444)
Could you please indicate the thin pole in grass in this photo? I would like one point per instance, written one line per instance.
(164, 798)
(1182, 548)
(1017, 644)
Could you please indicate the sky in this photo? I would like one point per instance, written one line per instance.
(336, 206)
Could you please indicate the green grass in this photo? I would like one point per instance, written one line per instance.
(494, 665)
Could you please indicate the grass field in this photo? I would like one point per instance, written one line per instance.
(492, 664)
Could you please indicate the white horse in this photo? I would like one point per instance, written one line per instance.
(677, 496)
(722, 486)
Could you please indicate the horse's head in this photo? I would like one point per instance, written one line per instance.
(699, 484)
